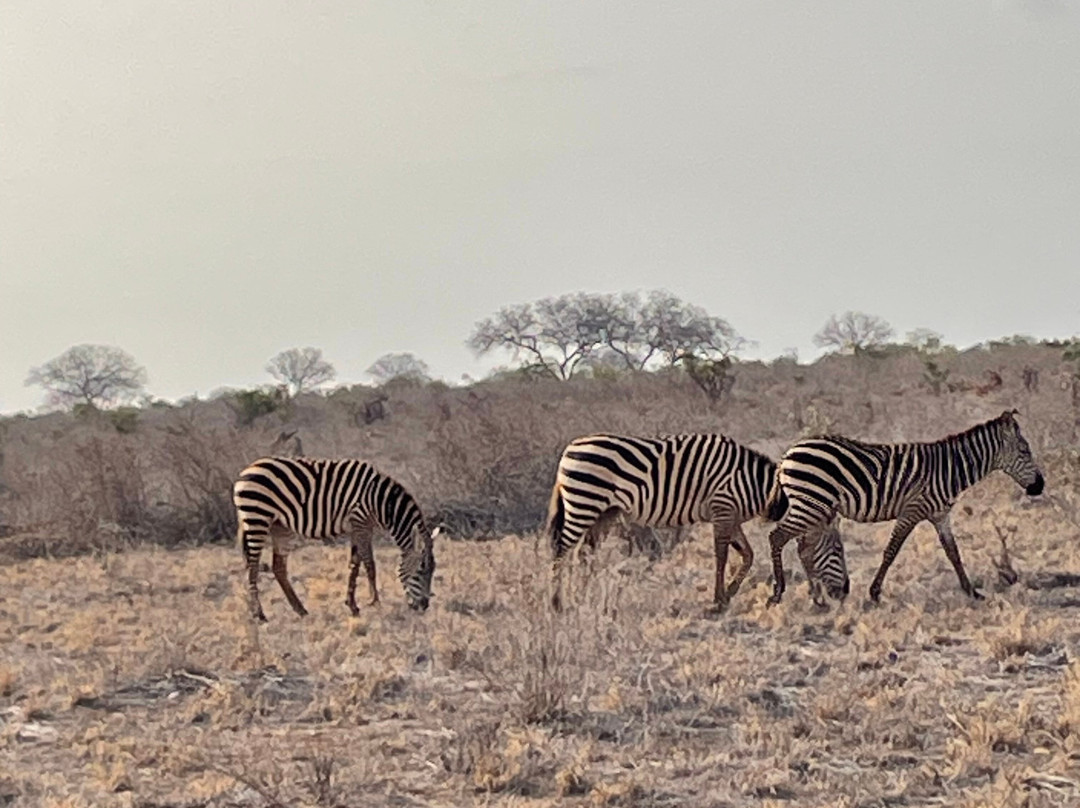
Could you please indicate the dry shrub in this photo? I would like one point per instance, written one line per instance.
(200, 485)
(87, 493)
(548, 675)
(1024, 634)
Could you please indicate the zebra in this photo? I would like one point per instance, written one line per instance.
(676, 480)
(277, 497)
(821, 477)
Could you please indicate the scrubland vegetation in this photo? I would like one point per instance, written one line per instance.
(130, 674)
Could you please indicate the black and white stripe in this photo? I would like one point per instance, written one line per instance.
(277, 497)
(909, 482)
(670, 481)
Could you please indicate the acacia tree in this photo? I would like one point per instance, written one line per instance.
(551, 336)
(853, 332)
(301, 369)
(557, 336)
(397, 366)
(92, 375)
(676, 329)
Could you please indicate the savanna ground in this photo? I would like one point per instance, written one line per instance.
(130, 675)
(137, 679)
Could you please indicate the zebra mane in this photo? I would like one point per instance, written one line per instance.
(995, 430)
(991, 427)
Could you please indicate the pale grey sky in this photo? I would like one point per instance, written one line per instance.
(205, 184)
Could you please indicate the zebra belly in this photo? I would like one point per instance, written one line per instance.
(869, 511)
(644, 514)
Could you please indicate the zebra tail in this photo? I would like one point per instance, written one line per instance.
(777, 504)
(556, 516)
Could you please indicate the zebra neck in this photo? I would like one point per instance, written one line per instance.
(971, 456)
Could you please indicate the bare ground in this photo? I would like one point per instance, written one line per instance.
(136, 679)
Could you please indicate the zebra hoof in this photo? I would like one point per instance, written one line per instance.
(976, 594)
(772, 601)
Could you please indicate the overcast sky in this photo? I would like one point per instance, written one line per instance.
(205, 184)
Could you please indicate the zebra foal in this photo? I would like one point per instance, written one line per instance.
(819, 478)
(678, 480)
(277, 497)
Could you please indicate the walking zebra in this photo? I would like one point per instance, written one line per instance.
(677, 480)
(909, 482)
(277, 497)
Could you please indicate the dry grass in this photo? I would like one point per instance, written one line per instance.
(135, 679)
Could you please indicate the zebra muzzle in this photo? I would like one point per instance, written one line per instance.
(1036, 487)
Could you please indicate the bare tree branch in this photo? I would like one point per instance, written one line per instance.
(560, 335)
(398, 365)
(301, 369)
(853, 332)
(95, 375)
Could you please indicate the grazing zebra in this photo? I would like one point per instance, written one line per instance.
(909, 482)
(676, 480)
(279, 496)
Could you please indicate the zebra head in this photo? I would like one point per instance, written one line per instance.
(418, 567)
(1014, 455)
(824, 560)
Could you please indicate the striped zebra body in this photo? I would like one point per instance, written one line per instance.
(819, 478)
(278, 497)
(672, 481)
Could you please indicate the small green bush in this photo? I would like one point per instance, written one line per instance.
(250, 405)
(125, 420)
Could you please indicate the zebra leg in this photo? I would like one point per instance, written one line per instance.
(905, 523)
(368, 557)
(556, 581)
(568, 543)
(354, 572)
(807, 544)
(720, 548)
(780, 536)
(360, 553)
(746, 552)
(282, 575)
(948, 542)
(252, 551)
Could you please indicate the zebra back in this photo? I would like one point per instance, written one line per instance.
(316, 498)
(668, 480)
(874, 481)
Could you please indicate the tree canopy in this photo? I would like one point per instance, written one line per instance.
(853, 332)
(398, 366)
(92, 375)
(301, 369)
(558, 336)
